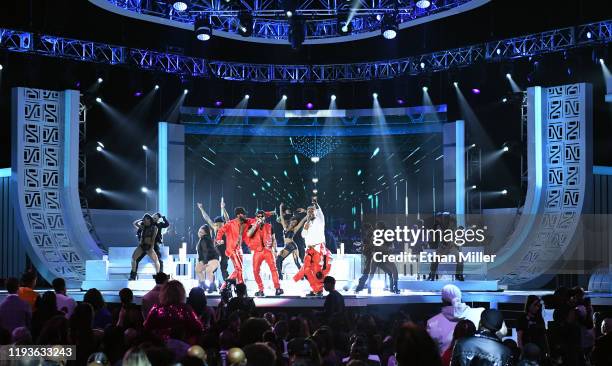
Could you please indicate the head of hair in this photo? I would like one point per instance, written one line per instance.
(59, 285)
(94, 297)
(304, 349)
(324, 338)
(172, 292)
(218, 219)
(531, 352)
(464, 328)
(415, 347)
(158, 214)
(239, 211)
(380, 225)
(329, 280)
(491, 319)
(135, 356)
(197, 300)
(21, 336)
(12, 285)
(281, 329)
(126, 296)
(529, 301)
(81, 321)
(252, 329)
(47, 303)
(206, 229)
(160, 278)
(145, 217)
(55, 331)
(241, 289)
(606, 326)
(28, 278)
(259, 354)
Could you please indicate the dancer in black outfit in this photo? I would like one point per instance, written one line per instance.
(215, 225)
(146, 238)
(162, 223)
(370, 265)
(289, 231)
(208, 259)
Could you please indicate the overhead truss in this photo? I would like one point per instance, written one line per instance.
(531, 45)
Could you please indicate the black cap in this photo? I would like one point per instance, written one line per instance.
(492, 319)
(239, 210)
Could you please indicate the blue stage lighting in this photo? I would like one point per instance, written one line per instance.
(180, 5)
(203, 29)
(99, 100)
(423, 4)
(376, 151)
(98, 190)
(144, 189)
(255, 172)
(359, 172)
(388, 27)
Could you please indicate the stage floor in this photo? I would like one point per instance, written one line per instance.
(365, 300)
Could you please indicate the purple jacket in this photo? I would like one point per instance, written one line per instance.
(14, 313)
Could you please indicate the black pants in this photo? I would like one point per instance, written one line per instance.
(289, 249)
(223, 261)
(445, 250)
(158, 252)
(370, 267)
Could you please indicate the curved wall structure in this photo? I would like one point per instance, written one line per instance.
(45, 135)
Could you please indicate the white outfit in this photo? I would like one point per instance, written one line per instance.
(315, 234)
(441, 326)
(65, 304)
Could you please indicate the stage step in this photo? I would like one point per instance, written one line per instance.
(137, 285)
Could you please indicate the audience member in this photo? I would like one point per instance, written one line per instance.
(26, 290)
(414, 346)
(334, 301)
(152, 297)
(242, 301)
(483, 348)
(198, 302)
(14, 312)
(21, 336)
(102, 316)
(464, 328)
(46, 308)
(81, 331)
(530, 325)
(173, 315)
(259, 354)
(602, 351)
(65, 303)
(530, 355)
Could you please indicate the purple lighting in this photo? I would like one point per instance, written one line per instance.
(475, 91)
(218, 103)
(138, 94)
(309, 105)
(400, 101)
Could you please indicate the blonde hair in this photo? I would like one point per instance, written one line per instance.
(172, 292)
(136, 356)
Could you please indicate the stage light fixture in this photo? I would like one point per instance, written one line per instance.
(504, 100)
(345, 27)
(315, 191)
(180, 5)
(508, 76)
(422, 65)
(333, 97)
(156, 86)
(601, 61)
(145, 148)
(203, 29)
(1, 67)
(475, 91)
(144, 189)
(456, 84)
(98, 190)
(297, 32)
(315, 159)
(375, 95)
(504, 192)
(284, 97)
(423, 4)
(100, 144)
(315, 180)
(472, 146)
(425, 89)
(99, 148)
(185, 91)
(498, 51)
(99, 100)
(400, 101)
(388, 26)
(246, 96)
(289, 13)
(589, 35)
(246, 24)
(309, 105)
(505, 149)
(474, 187)
(100, 80)
(218, 103)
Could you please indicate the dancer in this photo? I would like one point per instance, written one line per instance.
(317, 261)
(370, 265)
(289, 230)
(263, 245)
(444, 221)
(148, 234)
(235, 232)
(208, 259)
(215, 225)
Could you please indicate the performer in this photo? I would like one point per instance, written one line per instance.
(235, 232)
(263, 246)
(148, 234)
(215, 225)
(208, 259)
(317, 261)
(370, 265)
(442, 222)
(289, 230)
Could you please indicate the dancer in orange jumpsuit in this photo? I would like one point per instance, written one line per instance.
(235, 232)
(262, 244)
(317, 261)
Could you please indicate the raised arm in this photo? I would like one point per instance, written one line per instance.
(137, 224)
(164, 224)
(299, 225)
(224, 213)
(205, 215)
(282, 217)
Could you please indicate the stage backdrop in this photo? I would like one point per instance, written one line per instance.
(44, 183)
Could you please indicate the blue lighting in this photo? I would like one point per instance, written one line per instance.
(597, 169)
(359, 172)
(285, 173)
(162, 161)
(255, 172)
(295, 158)
(5, 172)
(459, 172)
(210, 162)
(376, 151)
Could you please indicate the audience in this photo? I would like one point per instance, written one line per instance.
(14, 312)
(186, 331)
(26, 290)
(102, 316)
(152, 297)
(483, 348)
(65, 304)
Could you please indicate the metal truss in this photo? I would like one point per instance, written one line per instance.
(270, 20)
(530, 45)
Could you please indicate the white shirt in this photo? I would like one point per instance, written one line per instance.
(65, 304)
(315, 234)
